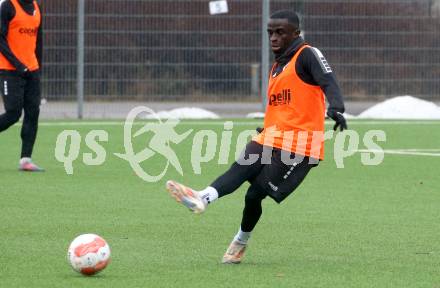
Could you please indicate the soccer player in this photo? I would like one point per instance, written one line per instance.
(20, 63)
(290, 144)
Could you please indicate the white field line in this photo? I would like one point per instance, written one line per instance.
(414, 152)
(142, 122)
(221, 122)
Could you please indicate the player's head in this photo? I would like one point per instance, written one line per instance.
(283, 28)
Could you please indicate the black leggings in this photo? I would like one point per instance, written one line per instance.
(276, 180)
(21, 94)
(252, 209)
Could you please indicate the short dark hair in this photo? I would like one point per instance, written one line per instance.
(290, 15)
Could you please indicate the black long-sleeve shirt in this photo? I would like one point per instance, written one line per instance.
(7, 13)
(313, 69)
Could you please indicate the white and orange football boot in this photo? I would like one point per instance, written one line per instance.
(186, 196)
(235, 253)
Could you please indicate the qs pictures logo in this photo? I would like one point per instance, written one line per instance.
(163, 135)
(161, 139)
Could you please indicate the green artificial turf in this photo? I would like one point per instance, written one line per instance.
(361, 226)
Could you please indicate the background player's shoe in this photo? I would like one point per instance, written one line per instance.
(185, 195)
(28, 166)
(235, 253)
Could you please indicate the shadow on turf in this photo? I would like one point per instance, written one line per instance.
(80, 276)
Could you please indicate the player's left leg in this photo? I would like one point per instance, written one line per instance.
(31, 107)
(251, 214)
(277, 180)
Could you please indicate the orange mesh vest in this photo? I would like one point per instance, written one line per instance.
(22, 38)
(295, 110)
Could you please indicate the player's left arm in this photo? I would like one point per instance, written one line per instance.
(322, 75)
(39, 47)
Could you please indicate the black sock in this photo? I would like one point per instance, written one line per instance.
(29, 133)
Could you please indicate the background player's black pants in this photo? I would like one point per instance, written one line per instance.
(276, 180)
(21, 94)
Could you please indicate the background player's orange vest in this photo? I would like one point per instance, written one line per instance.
(22, 38)
(294, 114)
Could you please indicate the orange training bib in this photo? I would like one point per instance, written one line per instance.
(22, 38)
(295, 110)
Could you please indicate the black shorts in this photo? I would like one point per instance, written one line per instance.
(20, 92)
(278, 177)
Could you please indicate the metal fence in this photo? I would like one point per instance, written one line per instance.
(174, 50)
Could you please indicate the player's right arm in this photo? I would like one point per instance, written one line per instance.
(7, 13)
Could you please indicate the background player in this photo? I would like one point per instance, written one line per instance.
(20, 63)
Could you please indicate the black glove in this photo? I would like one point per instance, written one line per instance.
(259, 130)
(338, 118)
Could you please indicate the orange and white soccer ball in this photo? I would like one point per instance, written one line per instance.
(88, 254)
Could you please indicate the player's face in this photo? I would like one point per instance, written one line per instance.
(281, 34)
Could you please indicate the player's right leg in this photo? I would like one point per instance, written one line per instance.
(227, 183)
(240, 171)
(186, 196)
(12, 90)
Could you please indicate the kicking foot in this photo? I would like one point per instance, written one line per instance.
(29, 166)
(235, 253)
(186, 196)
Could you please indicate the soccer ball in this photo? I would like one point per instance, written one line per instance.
(88, 254)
